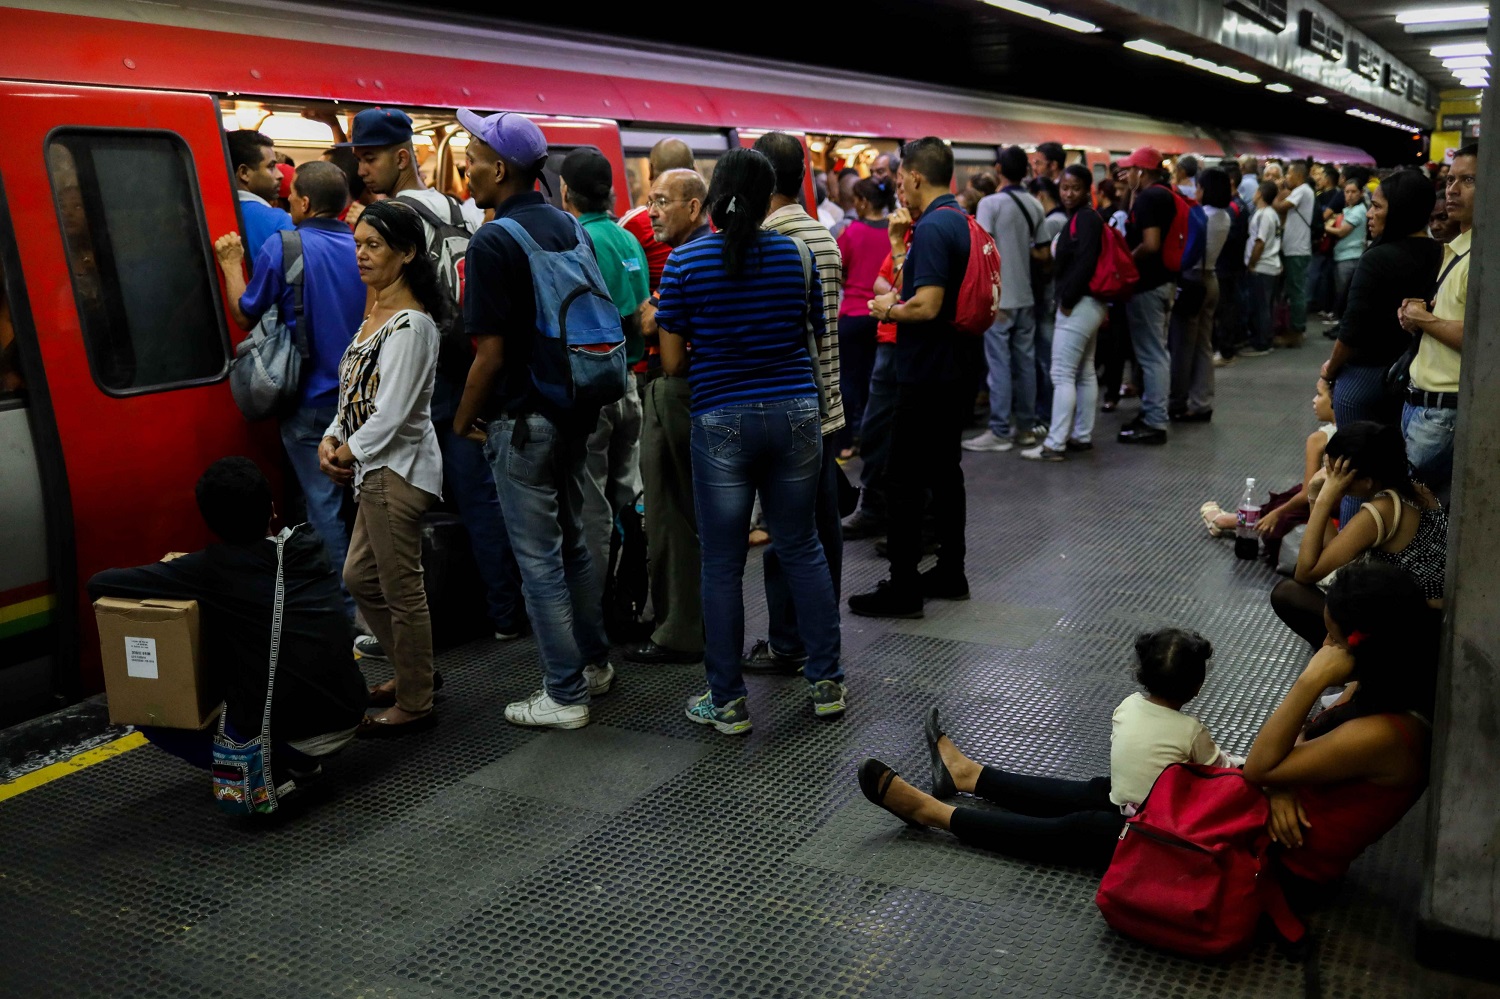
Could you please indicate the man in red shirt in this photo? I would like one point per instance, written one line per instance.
(668, 154)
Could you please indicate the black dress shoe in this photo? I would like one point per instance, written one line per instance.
(942, 779)
(1078, 446)
(1136, 432)
(875, 780)
(887, 601)
(942, 584)
(1202, 416)
(764, 659)
(369, 728)
(659, 655)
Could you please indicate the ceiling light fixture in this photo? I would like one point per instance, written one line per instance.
(1460, 49)
(1172, 55)
(1077, 24)
(1315, 99)
(1280, 88)
(1377, 119)
(1442, 15)
(1467, 62)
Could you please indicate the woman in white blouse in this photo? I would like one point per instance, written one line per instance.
(382, 441)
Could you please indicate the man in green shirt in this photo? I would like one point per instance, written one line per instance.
(612, 487)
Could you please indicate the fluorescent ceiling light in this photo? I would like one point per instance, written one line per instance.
(1467, 62)
(1172, 55)
(1471, 74)
(1077, 24)
(1315, 99)
(1377, 119)
(1280, 88)
(1440, 15)
(1460, 49)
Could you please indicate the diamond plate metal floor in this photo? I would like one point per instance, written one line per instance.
(646, 856)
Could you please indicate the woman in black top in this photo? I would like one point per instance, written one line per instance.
(1401, 263)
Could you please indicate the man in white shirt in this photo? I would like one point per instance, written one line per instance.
(1263, 261)
(1294, 203)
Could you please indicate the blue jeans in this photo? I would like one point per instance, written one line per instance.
(780, 602)
(1148, 312)
(875, 430)
(540, 485)
(856, 359)
(1046, 320)
(774, 449)
(471, 488)
(301, 433)
(1010, 352)
(1359, 393)
(1262, 293)
(1075, 385)
(1429, 446)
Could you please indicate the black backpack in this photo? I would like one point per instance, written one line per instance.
(1232, 256)
(447, 243)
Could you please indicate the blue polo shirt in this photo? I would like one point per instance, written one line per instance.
(939, 254)
(333, 299)
(261, 220)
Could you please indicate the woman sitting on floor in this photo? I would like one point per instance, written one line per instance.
(1337, 784)
(1400, 522)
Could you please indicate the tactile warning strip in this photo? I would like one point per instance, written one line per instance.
(648, 856)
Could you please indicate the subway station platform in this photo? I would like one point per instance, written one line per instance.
(646, 856)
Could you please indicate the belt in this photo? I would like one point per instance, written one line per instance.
(1431, 400)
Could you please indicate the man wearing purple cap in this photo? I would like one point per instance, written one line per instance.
(1150, 306)
(537, 454)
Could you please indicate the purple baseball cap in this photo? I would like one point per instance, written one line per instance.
(514, 136)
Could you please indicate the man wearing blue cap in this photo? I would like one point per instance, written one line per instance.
(382, 142)
(536, 453)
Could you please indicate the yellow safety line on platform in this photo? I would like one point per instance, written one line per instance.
(87, 758)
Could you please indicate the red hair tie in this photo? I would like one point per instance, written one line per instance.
(1355, 638)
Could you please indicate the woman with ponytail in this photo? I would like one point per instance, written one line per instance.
(1341, 781)
(737, 311)
(382, 442)
(864, 245)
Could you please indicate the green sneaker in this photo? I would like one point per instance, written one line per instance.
(732, 719)
(828, 698)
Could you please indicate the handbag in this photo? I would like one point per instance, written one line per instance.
(265, 376)
(243, 781)
(1398, 375)
(809, 275)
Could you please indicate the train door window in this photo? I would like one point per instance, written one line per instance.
(707, 148)
(139, 254)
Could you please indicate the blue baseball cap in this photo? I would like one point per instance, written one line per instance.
(380, 127)
(514, 136)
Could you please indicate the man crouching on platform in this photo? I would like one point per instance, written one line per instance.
(320, 694)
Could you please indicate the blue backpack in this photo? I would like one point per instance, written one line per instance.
(1197, 238)
(578, 365)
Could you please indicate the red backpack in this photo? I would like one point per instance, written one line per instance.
(1174, 240)
(979, 294)
(1192, 872)
(1115, 273)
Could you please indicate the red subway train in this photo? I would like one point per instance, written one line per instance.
(114, 181)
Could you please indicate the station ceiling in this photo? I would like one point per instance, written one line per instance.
(967, 44)
(1377, 18)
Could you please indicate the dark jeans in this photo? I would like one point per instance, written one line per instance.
(1262, 294)
(773, 449)
(875, 432)
(780, 601)
(1359, 393)
(1300, 608)
(925, 454)
(1114, 351)
(856, 361)
(1046, 819)
(1229, 321)
(469, 485)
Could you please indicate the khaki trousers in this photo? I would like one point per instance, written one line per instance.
(384, 575)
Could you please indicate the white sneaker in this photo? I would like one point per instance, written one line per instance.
(541, 711)
(600, 678)
(988, 441)
(1220, 361)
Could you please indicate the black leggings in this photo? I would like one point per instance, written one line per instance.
(1047, 819)
(1300, 608)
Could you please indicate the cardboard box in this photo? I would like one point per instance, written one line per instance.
(151, 667)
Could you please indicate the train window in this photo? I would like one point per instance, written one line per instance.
(138, 251)
(707, 148)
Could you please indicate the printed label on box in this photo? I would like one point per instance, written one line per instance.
(140, 658)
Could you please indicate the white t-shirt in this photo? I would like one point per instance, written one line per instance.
(1145, 739)
(1296, 234)
(434, 199)
(1264, 227)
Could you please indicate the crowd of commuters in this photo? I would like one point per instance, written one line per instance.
(764, 345)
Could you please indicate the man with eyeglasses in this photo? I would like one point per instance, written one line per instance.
(1431, 410)
(678, 213)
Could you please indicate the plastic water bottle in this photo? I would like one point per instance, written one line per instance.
(1246, 538)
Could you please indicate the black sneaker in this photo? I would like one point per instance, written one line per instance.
(887, 601)
(369, 647)
(941, 584)
(1137, 432)
(764, 659)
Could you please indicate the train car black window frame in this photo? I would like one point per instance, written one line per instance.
(104, 327)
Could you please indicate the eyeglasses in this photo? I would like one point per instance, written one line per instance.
(660, 203)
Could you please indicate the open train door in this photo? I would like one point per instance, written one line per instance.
(563, 135)
(112, 197)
